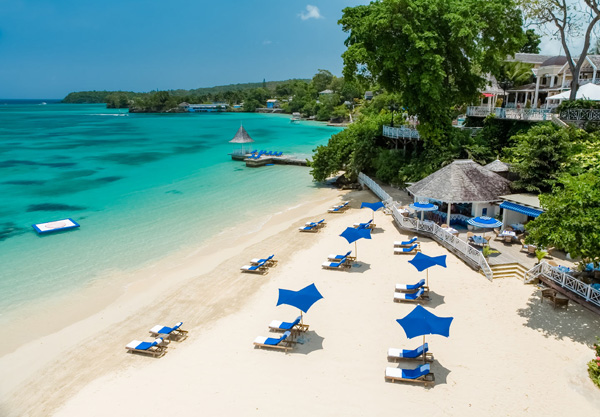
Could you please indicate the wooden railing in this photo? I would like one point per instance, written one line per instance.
(532, 115)
(456, 245)
(585, 291)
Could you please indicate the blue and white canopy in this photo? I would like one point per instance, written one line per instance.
(423, 206)
(484, 222)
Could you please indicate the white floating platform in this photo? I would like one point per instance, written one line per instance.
(55, 226)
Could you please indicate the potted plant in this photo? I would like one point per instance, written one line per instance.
(540, 254)
(487, 251)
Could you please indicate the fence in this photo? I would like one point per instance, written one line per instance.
(400, 132)
(531, 115)
(458, 246)
(580, 115)
(585, 291)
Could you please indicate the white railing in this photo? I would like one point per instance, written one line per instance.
(510, 113)
(364, 180)
(460, 247)
(403, 132)
(580, 114)
(585, 291)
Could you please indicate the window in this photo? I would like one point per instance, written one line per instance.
(484, 211)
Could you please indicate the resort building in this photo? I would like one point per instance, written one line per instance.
(273, 103)
(518, 209)
(462, 189)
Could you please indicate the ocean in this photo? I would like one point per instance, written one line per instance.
(142, 186)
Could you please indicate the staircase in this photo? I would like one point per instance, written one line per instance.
(512, 270)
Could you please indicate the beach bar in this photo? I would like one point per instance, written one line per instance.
(463, 189)
(55, 226)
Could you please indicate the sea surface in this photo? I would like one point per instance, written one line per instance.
(142, 186)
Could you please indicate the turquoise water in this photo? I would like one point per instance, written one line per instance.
(142, 186)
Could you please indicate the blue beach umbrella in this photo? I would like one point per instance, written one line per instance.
(424, 262)
(373, 206)
(484, 222)
(302, 299)
(423, 207)
(421, 322)
(352, 235)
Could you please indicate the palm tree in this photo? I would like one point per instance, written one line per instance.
(513, 73)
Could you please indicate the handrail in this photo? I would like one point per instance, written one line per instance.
(462, 248)
(510, 113)
(404, 132)
(585, 291)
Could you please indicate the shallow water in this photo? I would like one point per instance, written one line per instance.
(142, 186)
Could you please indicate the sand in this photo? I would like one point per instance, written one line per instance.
(507, 354)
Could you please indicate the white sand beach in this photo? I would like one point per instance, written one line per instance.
(507, 354)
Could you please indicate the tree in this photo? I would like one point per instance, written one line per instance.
(512, 74)
(570, 218)
(532, 42)
(433, 52)
(322, 80)
(564, 20)
(542, 154)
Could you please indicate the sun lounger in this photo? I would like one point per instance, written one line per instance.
(255, 269)
(296, 326)
(282, 342)
(397, 354)
(422, 374)
(340, 208)
(367, 225)
(405, 243)
(405, 251)
(410, 287)
(155, 348)
(309, 228)
(267, 261)
(337, 258)
(420, 295)
(344, 263)
(172, 333)
(320, 223)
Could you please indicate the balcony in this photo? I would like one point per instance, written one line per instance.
(528, 115)
(403, 132)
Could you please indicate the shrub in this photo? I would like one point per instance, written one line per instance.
(594, 365)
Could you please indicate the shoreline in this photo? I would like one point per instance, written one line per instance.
(73, 318)
(340, 369)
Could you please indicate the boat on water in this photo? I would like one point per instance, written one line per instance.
(295, 118)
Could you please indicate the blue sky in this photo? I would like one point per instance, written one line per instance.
(49, 48)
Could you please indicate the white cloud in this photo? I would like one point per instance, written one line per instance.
(312, 12)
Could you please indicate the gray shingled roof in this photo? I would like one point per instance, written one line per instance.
(529, 58)
(462, 181)
(241, 136)
(498, 166)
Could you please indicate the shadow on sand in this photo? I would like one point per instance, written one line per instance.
(308, 342)
(574, 322)
(359, 267)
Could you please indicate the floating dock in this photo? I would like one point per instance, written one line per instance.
(268, 160)
(55, 226)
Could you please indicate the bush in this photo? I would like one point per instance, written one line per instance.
(594, 365)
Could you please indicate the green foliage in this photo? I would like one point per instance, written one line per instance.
(497, 133)
(432, 52)
(570, 218)
(540, 155)
(514, 73)
(160, 101)
(352, 150)
(118, 100)
(594, 364)
(486, 251)
(540, 254)
(93, 97)
(532, 42)
(578, 104)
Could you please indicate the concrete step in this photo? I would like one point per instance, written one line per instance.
(512, 270)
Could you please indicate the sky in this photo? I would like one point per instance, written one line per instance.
(49, 48)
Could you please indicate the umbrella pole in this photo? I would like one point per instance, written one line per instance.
(355, 250)
(422, 214)
(427, 271)
(424, 353)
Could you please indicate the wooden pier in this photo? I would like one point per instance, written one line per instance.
(275, 160)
